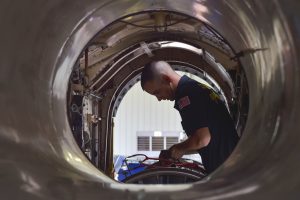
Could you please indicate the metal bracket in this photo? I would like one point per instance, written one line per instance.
(146, 49)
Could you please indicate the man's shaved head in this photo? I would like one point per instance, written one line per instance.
(154, 70)
(159, 79)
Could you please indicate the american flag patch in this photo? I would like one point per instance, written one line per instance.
(183, 102)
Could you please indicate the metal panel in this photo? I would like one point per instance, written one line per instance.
(143, 143)
(39, 157)
(170, 141)
(157, 143)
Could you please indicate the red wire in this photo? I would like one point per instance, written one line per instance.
(165, 162)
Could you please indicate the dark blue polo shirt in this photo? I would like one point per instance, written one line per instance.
(201, 107)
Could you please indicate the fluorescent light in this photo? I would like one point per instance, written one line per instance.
(157, 133)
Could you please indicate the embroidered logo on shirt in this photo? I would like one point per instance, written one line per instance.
(183, 102)
(212, 94)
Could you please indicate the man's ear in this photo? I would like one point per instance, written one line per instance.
(166, 78)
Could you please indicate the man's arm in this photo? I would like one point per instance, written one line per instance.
(199, 139)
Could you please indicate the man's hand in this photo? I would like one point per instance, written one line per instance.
(173, 153)
(199, 139)
(165, 154)
(176, 152)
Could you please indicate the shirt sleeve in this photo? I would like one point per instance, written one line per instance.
(195, 114)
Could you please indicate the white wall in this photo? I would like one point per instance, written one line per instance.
(140, 111)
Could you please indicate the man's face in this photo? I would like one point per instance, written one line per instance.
(161, 89)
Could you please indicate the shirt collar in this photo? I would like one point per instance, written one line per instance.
(179, 88)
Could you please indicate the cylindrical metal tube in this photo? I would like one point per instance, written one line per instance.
(40, 43)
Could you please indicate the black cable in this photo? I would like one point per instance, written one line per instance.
(214, 33)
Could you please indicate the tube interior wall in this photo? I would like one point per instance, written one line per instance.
(40, 42)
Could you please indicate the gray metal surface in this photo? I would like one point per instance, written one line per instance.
(40, 42)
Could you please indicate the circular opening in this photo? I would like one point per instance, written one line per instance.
(112, 61)
(40, 158)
